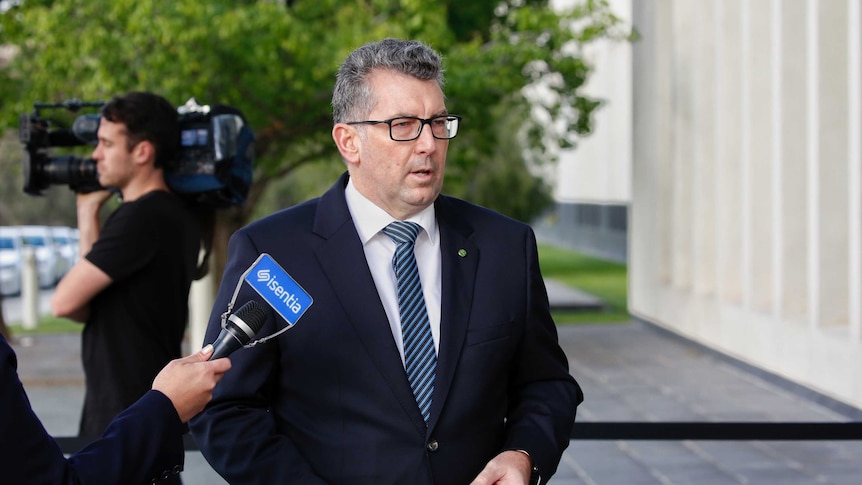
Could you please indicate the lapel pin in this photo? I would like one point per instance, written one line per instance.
(462, 252)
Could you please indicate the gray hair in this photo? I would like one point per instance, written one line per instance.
(352, 98)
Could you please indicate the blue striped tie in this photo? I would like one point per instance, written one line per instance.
(420, 359)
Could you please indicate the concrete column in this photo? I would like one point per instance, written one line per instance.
(854, 167)
(703, 150)
(29, 290)
(757, 156)
(683, 64)
(833, 199)
(661, 112)
(728, 151)
(812, 143)
(794, 174)
(649, 251)
(776, 162)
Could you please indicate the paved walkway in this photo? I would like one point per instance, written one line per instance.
(634, 372)
(629, 372)
(564, 297)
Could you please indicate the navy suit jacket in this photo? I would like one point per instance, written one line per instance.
(328, 401)
(142, 444)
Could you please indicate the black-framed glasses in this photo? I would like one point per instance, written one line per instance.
(407, 128)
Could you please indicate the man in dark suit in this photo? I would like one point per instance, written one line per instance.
(334, 401)
(144, 444)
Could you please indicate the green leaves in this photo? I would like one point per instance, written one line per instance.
(277, 63)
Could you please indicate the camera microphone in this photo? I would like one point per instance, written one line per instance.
(239, 329)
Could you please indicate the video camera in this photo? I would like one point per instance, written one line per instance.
(215, 159)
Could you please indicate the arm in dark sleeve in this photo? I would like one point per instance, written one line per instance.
(544, 396)
(143, 441)
(28, 454)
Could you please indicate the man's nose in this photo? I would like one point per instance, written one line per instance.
(426, 141)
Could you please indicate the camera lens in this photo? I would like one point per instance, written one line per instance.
(78, 173)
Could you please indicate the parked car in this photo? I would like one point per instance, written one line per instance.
(11, 260)
(49, 264)
(66, 241)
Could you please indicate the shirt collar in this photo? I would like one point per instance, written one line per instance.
(369, 219)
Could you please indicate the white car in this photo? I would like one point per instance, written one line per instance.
(49, 264)
(11, 261)
(66, 241)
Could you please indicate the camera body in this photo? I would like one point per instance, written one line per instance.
(215, 157)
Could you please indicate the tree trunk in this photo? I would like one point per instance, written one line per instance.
(227, 222)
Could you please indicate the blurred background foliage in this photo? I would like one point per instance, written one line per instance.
(276, 61)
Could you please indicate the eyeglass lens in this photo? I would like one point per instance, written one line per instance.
(443, 127)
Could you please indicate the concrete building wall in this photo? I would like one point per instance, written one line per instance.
(593, 180)
(598, 170)
(745, 215)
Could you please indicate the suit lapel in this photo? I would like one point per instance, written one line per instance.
(343, 261)
(459, 258)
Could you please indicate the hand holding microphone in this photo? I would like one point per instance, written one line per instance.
(239, 329)
(189, 382)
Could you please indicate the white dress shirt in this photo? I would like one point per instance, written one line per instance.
(369, 220)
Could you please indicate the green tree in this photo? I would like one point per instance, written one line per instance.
(276, 62)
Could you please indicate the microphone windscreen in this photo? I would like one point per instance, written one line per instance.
(252, 314)
(241, 327)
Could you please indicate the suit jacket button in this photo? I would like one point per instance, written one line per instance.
(432, 445)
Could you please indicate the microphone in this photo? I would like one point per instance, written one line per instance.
(239, 329)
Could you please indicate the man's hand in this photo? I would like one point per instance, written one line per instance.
(89, 225)
(189, 382)
(93, 200)
(507, 468)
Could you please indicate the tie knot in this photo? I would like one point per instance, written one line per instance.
(402, 232)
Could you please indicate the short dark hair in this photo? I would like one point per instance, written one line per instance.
(352, 97)
(149, 117)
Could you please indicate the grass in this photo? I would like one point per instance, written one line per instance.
(606, 280)
(48, 324)
(603, 279)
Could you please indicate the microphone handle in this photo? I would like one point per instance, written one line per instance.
(225, 344)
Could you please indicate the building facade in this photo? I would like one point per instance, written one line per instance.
(745, 222)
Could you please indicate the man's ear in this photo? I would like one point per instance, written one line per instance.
(143, 152)
(347, 140)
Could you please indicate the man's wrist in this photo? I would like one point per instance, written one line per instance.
(535, 478)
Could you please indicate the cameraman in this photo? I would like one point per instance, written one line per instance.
(130, 288)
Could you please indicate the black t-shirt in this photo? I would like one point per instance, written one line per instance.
(149, 247)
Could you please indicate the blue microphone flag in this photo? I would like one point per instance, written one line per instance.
(278, 288)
